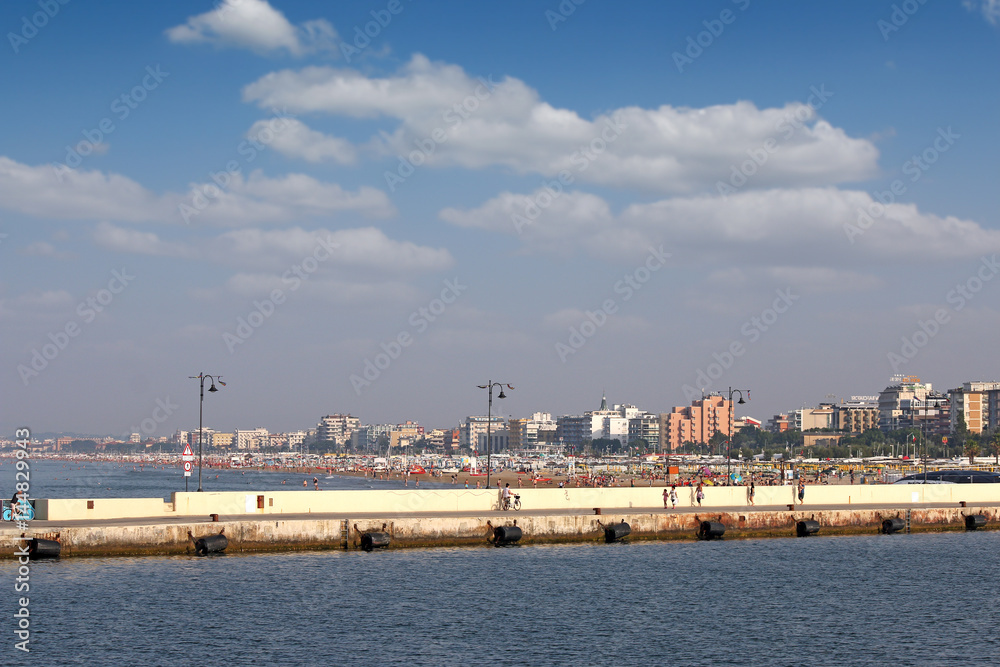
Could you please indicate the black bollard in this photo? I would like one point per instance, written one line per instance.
(806, 527)
(371, 541)
(505, 535)
(974, 521)
(890, 526)
(617, 532)
(711, 530)
(39, 548)
(211, 544)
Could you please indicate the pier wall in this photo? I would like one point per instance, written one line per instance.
(277, 534)
(394, 501)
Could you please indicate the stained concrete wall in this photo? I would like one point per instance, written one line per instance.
(404, 501)
(276, 534)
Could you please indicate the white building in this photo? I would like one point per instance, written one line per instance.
(251, 439)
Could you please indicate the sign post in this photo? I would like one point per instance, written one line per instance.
(187, 456)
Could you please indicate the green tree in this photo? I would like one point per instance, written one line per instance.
(971, 448)
(995, 446)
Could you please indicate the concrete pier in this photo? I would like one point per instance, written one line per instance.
(253, 533)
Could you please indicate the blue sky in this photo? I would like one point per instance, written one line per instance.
(691, 217)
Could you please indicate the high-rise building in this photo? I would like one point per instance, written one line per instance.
(978, 403)
(909, 403)
(336, 428)
(856, 415)
(805, 419)
(476, 426)
(696, 423)
(250, 439)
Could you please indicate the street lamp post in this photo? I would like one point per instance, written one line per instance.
(201, 404)
(489, 421)
(729, 442)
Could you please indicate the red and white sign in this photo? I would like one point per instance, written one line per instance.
(187, 468)
(187, 454)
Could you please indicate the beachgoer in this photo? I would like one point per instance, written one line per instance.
(802, 490)
(316, 483)
(750, 493)
(673, 497)
(466, 483)
(666, 495)
(504, 496)
(699, 494)
(305, 483)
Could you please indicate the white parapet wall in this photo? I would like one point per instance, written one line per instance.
(407, 501)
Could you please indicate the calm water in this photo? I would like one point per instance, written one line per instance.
(911, 600)
(73, 479)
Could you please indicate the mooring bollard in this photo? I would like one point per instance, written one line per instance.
(617, 532)
(806, 527)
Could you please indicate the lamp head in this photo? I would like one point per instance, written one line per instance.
(741, 401)
(212, 388)
(502, 395)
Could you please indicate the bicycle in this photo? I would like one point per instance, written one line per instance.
(24, 513)
(513, 502)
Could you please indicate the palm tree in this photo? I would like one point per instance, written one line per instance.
(971, 449)
(995, 446)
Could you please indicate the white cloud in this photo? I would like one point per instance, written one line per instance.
(481, 123)
(36, 305)
(810, 224)
(299, 141)
(44, 249)
(990, 9)
(45, 192)
(254, 25)
(280, 249)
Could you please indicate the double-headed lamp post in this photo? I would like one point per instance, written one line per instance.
(201, 431)
(729, 442)
(489, 421)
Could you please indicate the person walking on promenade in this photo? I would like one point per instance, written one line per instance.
(699, 493)
(751, 492)
(673, 497)
(802, 490)
(666, 496)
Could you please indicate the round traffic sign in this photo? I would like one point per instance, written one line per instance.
(187, 466)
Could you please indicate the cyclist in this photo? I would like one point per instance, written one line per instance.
(505, 497)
